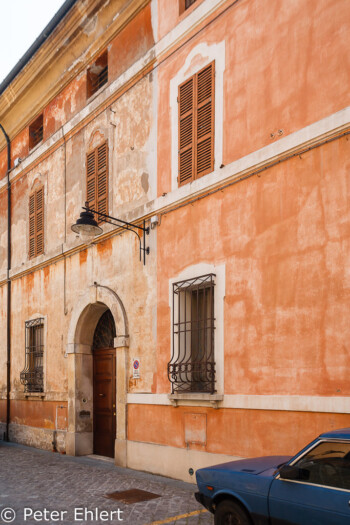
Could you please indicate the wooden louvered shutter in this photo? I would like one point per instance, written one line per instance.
(32, 225)
(91, 179)
(204, 160)
(39, 222)
(97, 178)
(186, 131)
(102, 178)
(36, 223)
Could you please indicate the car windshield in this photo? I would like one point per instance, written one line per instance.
(327, 464)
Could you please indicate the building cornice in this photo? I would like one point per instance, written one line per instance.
(62, 57)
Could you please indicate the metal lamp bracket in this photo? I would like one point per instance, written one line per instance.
(126, 226)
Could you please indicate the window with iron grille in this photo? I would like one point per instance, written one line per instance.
(196, 125)
(36, 223)
(192, 365)
(32, 376)
(97, 74)
(97, 178)
(36, 130)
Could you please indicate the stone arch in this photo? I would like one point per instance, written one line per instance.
(86, 313)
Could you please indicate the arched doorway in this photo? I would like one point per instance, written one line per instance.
(104, 386)
(86, 314)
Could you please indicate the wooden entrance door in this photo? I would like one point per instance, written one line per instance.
(104, 402)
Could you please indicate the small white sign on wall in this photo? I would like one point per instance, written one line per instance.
(136, 368)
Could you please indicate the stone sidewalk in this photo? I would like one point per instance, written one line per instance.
(69, 490)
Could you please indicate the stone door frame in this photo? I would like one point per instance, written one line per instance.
(84, 318)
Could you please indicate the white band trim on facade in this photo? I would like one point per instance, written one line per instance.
(336, 404)
(310, 134)
(285, 146)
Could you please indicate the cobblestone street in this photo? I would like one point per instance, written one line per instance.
(36, 480)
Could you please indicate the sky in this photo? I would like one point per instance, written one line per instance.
(21, 23)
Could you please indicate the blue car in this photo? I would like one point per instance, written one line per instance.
(311, 488)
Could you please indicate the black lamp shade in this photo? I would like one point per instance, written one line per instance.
(87, 225)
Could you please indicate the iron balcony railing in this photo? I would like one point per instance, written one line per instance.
(97, 81)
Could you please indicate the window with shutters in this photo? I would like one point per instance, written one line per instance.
(36, 223)
(196, 125)
(97, 74)
(97, 178)
(32, 376)
(192, 365)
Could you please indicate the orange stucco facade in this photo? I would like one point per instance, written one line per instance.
(281, 236)
(270, 222)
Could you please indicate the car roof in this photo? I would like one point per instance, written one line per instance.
(343, 433)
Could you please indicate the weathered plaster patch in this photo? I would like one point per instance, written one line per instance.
(133, 117)
(144, 181)
(90, 25)
(96, 139)
(37, 437)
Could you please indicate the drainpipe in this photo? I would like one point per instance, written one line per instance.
(8, 330)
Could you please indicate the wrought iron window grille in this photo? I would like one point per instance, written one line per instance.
(97, 74)
(192, 364)
(104, 332)
(99, 80)
(32, 376)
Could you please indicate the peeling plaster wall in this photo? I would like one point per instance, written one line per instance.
(40, 294)
(37, 437)
(72, 57)
(63, 107)
(134, 172)
(115, 264)
(49, 174)
(52, 291)
(20, 146)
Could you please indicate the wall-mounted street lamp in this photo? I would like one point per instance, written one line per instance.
(87, 227)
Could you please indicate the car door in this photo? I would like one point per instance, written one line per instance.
(322, 497)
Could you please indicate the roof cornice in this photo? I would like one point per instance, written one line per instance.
(64, 55)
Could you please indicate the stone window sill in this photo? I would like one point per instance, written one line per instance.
(195, 399)
(34, 394)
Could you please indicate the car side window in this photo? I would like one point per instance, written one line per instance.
(328, 463)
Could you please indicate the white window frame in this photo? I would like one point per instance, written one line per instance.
(219, 295)
(32, 318)
(201, 56)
